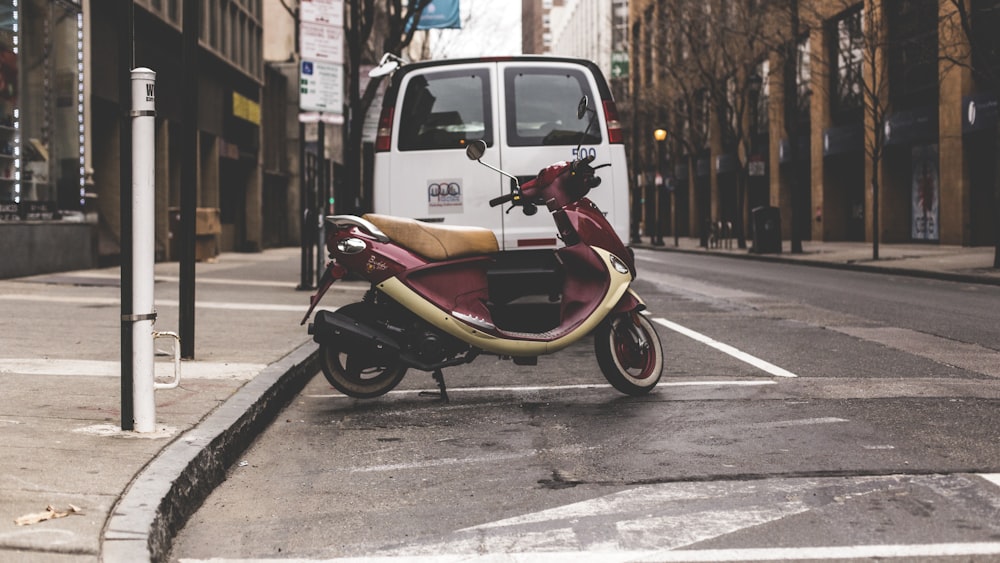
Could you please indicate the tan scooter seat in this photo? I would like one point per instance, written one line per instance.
(435, 242)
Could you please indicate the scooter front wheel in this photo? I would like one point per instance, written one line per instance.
(629, 353)
(358, 381)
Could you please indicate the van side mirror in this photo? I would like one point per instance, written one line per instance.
(476, 150)
(386, 66)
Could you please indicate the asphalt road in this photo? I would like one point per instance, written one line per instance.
(804, 414)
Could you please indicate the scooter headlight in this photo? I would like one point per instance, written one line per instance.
(350, 245)
(618, 265)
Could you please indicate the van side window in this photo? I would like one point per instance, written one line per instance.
(541, 107)
(446, 110)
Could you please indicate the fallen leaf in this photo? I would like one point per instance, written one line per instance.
(49, 514)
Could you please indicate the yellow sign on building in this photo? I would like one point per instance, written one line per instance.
(246, 109)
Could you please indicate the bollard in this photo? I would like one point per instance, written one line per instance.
(143, 116)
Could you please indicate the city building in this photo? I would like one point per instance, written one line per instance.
(587, 29)
(887, 93)
(230, 77)
(43, 167)
(60, 205)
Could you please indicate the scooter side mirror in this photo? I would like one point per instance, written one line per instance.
(581, 108)
(476, 150)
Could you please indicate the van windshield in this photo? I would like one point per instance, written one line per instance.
(541, 107)
(445, 110)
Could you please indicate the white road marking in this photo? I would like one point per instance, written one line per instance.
(114, 301)
(829, 552)
(800, 422)
(84, 275)
(104, 368)
(688, 555)
(991, 477)
(663, 523)
(569, 450)
(536, 388)
(726, 348)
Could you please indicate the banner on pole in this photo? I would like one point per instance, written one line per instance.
(441, 14)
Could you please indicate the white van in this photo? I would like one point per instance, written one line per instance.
(525, 109)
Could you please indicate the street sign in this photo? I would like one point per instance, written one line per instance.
(320, 42)
(329, 12)
(321, 86)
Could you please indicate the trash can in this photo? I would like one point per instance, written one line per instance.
(766, 230)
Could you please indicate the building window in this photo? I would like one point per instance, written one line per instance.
(803, 79)
(212, 8)
(847, 52)
(703, 104)
(913, 44)
(683, 120)
(647, 50)
(759, 118)
(985, 21)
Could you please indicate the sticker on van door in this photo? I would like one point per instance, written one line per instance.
(444, 194)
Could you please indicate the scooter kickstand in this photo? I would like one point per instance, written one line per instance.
(443, 393)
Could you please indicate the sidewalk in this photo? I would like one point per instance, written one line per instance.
(60, 401)
(943, 262)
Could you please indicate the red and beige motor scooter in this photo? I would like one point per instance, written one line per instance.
(442, 295)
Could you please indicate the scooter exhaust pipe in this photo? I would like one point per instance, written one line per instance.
(330, 327)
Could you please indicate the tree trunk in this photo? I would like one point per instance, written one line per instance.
(875, 225)
(996, 201)
(741, 195)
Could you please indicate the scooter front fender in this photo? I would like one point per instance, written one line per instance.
(629, 302)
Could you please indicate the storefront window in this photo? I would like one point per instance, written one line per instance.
(41, 109)
(9, 149)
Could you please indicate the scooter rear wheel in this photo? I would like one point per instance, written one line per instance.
(358, 381)
(358, 375)
(629, 353)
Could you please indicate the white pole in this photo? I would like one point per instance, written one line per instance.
(143, 246)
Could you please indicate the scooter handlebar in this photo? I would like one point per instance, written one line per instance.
(502, 199)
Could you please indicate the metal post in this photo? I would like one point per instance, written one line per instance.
(143, 245)
(323, 193)
(125, 61)
(189, 174)
(305, 228)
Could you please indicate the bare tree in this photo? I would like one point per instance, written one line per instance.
(371, 28)
(395, 22)
(678, 97)
(860, 67)
(709, 52)
(875, 88)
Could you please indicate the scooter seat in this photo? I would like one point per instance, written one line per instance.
(435, 242)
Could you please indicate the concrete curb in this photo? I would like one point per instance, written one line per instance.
(168, 490)
(887, 269)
